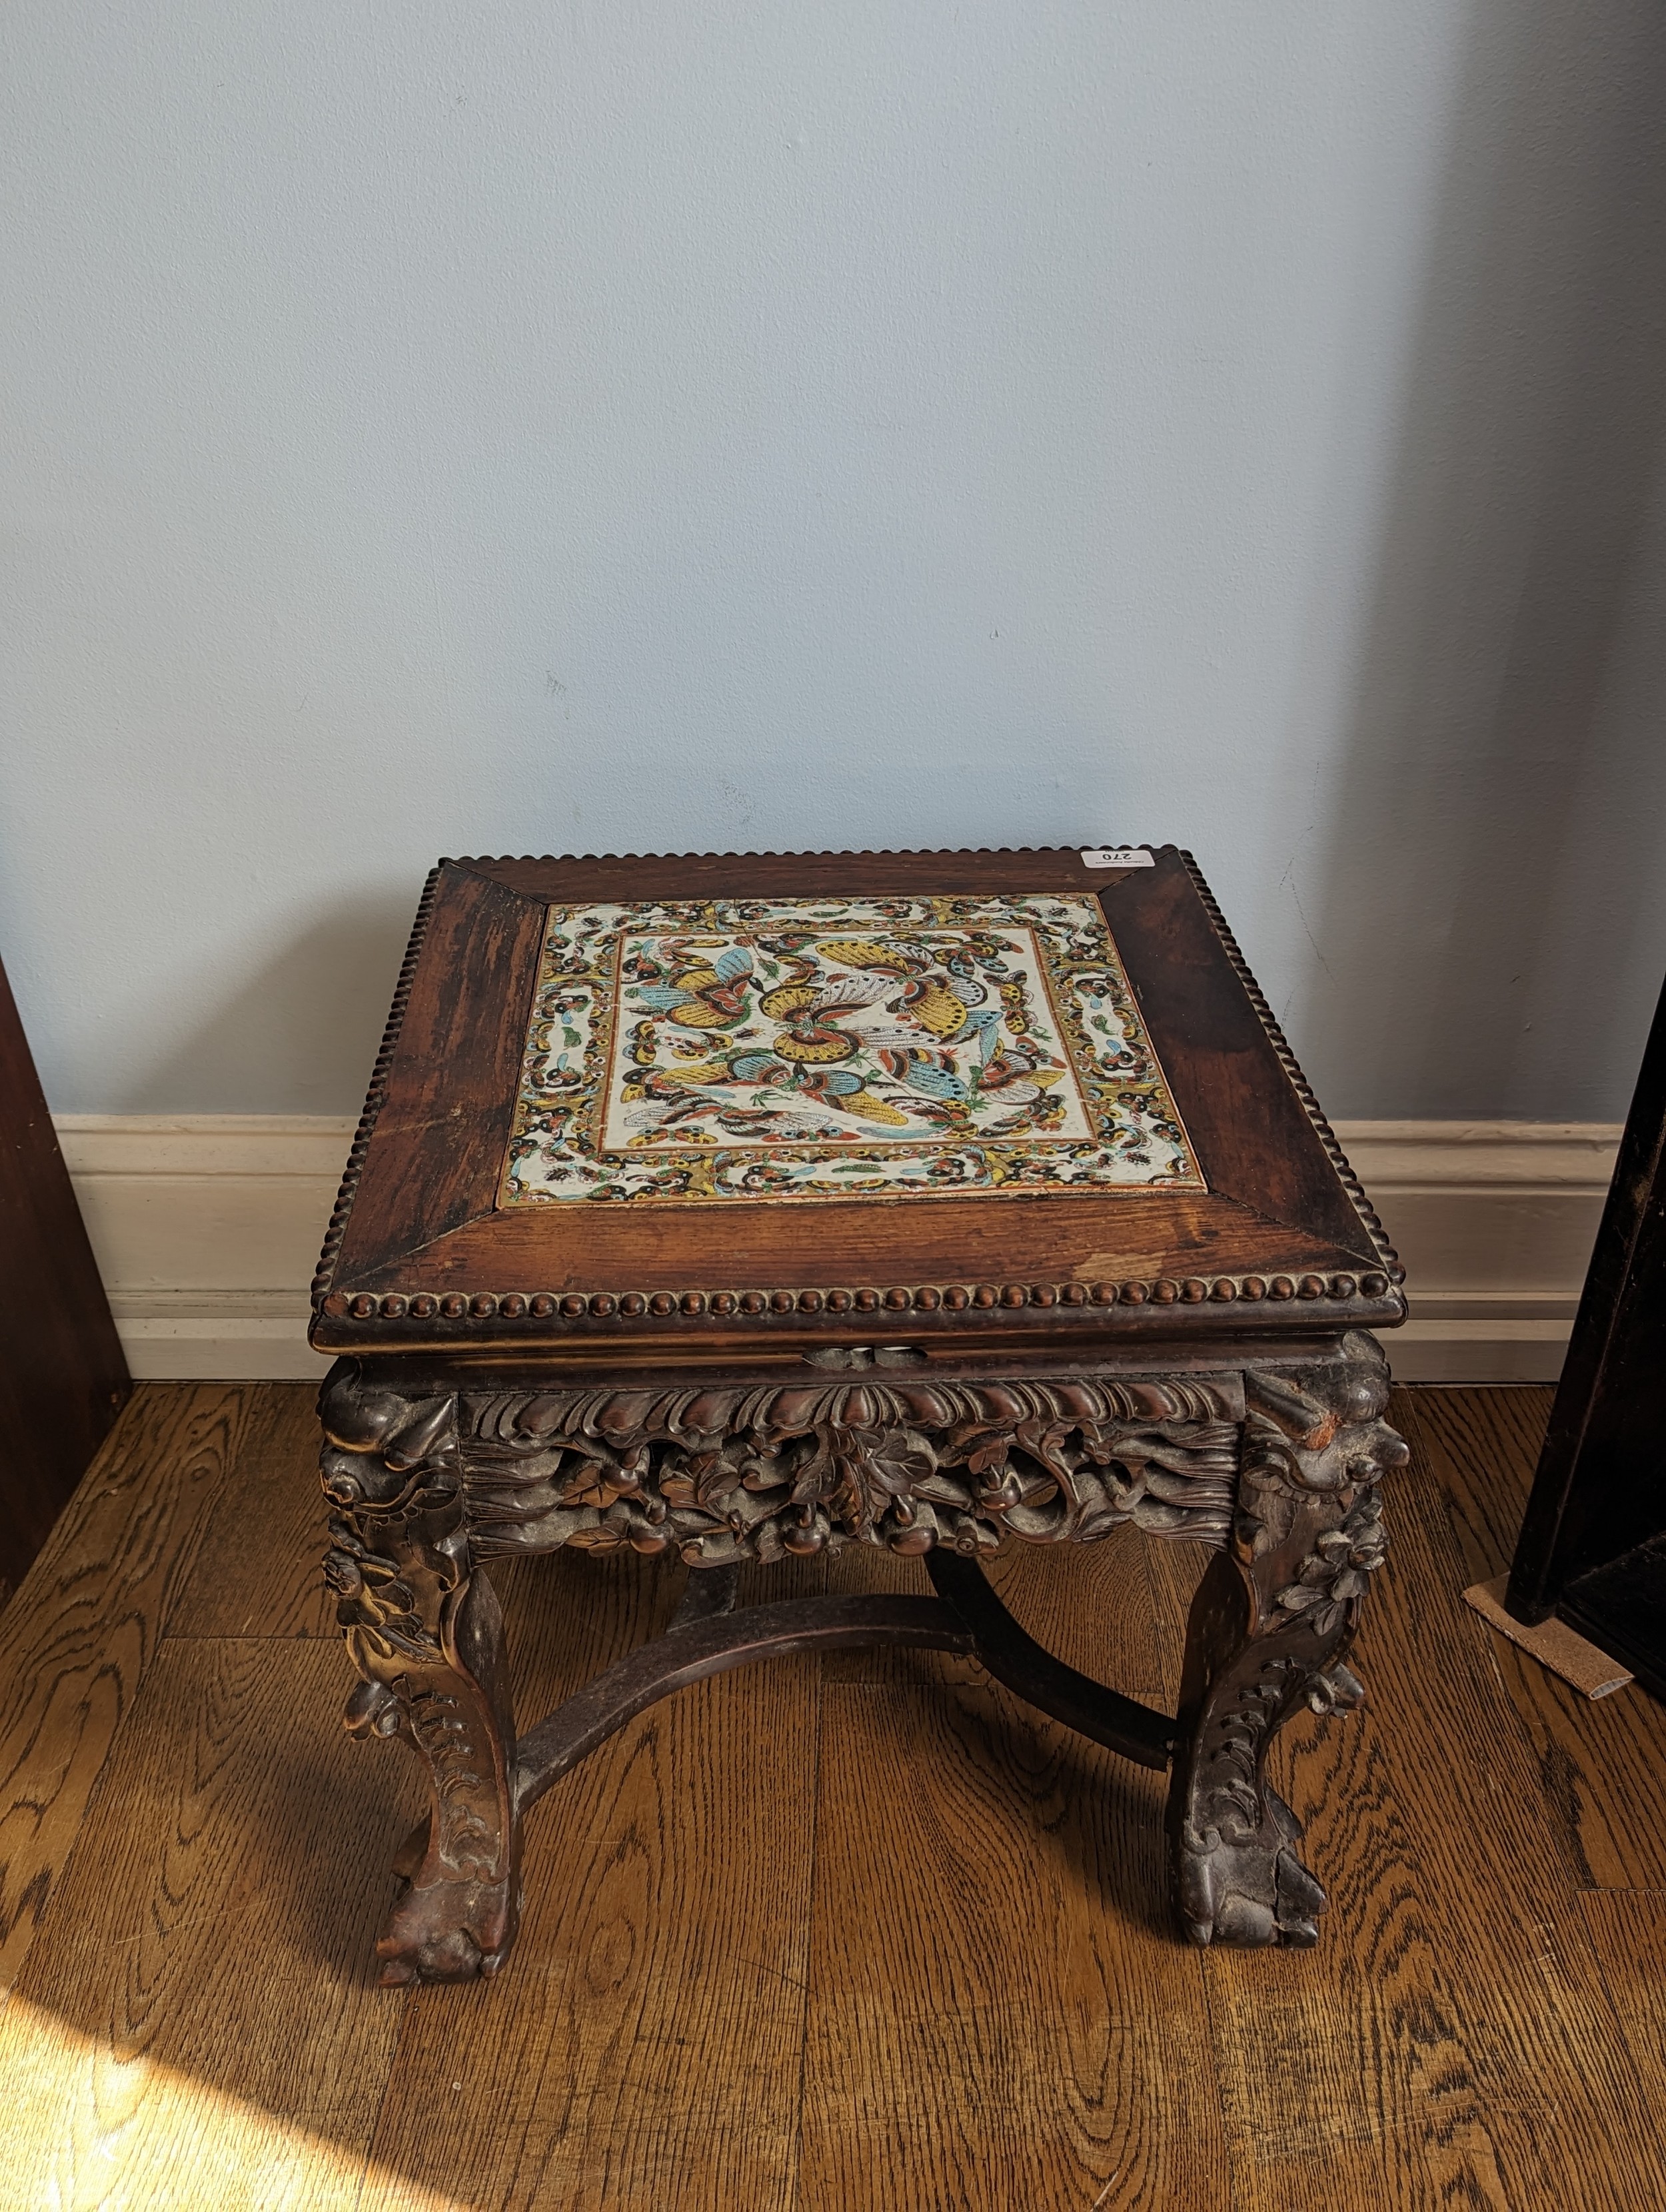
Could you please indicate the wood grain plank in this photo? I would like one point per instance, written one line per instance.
(1173, 1571)
(1456, 2020)
(1485, 1442)
(1350, 2073)
(1030, 1238)
(642, 2052)
(955, 1964)
(1088, 1604)
(207, 1954)
(77, 1638)
(1601, 1763)
(257, 1571)
(1628, 1931)
(998, 2014)
(1080, 1838)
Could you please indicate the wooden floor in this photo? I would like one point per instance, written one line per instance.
(859, 1932)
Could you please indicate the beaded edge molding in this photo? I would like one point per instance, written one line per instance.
(1299, 1082)
(954, 1297)
(375, 1098)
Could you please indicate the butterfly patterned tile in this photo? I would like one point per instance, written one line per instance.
(705, 1051)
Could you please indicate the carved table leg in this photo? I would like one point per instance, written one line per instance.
(1270, 1628)
(426, 1635)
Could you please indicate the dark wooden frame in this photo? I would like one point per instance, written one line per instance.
(1593, 1542)
(63, 1377)
(935, 1376)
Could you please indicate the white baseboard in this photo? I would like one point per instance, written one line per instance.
(207, 1229)
(207, 1226)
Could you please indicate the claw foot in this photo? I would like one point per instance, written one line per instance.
(449, 1932)
(1249, 1888)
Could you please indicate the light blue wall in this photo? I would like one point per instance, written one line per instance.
(629, 425)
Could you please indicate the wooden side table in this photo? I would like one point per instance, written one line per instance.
(733, 1207)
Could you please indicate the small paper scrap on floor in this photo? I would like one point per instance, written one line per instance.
(1553, 1643)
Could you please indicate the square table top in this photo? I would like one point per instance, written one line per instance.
(745, 1105)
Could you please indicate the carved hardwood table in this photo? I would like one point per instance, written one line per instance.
(732, 1207)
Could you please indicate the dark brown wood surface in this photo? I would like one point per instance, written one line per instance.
(1592, 1545)
(62, 1376)
(1281, 1214)
(756, 1243)
(1255, 1136)
(439, 1140)
(858, 1934)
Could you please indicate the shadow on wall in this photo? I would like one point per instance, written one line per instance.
(1507, 767)
(316, 1012)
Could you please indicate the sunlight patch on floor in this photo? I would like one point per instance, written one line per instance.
(83, 2129)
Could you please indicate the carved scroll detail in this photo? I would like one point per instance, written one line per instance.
(723, 1473)
(1271, 1626)
(425, 1636)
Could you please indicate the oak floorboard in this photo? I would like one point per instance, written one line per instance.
(201, 1979)
(259, 1572)
(1348, 2073)
(642, 2053)
(1488, 1442)
(1628, 1931)
(971, 1849)
(568, 1615)
(1088, 1604)
(868, 1570)
(1457, 2014)
(84, 1626)
(1172, 1572)
(822, 1935)
(1000, 2015)
(1602, 1761)
(1345, 2071)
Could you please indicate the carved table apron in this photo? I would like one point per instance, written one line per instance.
(669, 1223)
(1275, 1469)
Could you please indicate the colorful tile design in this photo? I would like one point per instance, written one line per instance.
(703, 1051)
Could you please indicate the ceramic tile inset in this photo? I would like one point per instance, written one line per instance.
(715, 1049)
